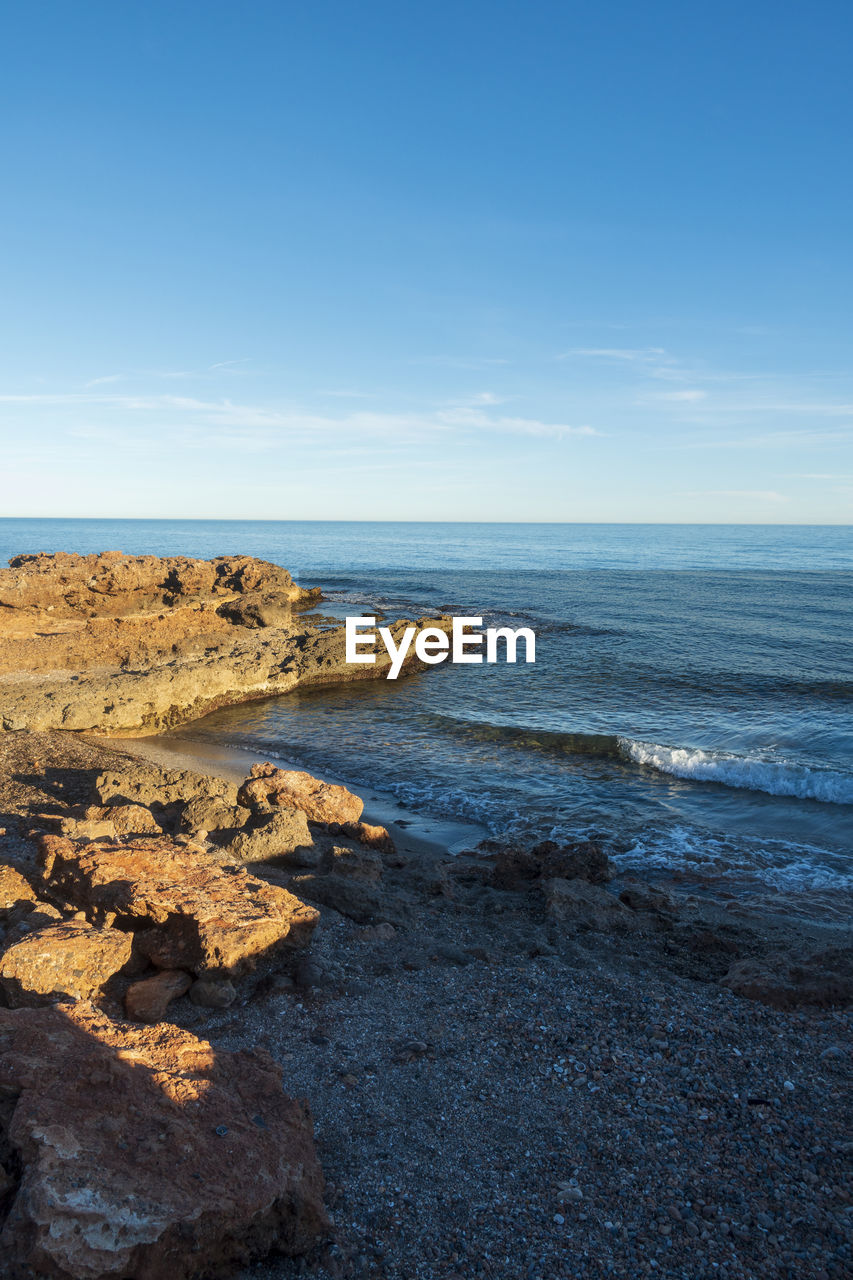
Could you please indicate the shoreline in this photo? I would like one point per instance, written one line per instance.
(500, 1091)
(416, 832)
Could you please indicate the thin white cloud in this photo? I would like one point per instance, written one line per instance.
(687, 397)
(270, 423)
(633, 355)
(99, 382)
(817, 475)
(750, 495)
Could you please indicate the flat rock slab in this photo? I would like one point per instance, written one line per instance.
(293, 789)
(195, 914)
(143, 1153)
(71, 959)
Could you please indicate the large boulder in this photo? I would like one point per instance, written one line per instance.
(279, 834)
(72, 959)
(189, 911)
(141, 1152)
(293, 789)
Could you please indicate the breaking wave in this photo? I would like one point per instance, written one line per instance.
(772, 777)
(775, 778)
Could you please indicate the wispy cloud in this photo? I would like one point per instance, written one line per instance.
(687, 397)
(99, 382)
(462, 362)
(228, 364)
(632, 355)
(270, 423)
(464, 416)
(817, 475)
(750, 495)
(487, 397)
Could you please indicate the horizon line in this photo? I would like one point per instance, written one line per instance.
(672, 524)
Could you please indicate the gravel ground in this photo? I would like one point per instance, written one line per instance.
(538, 1120)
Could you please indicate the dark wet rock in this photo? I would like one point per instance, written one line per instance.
(360, 900)
(585, 906)
(823, 979)
(640, 897)
(517, 868)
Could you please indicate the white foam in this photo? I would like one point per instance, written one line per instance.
(773, 777)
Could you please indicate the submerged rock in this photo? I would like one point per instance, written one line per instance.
(189, 911)
(142, 1152)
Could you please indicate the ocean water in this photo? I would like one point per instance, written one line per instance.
(691, 703)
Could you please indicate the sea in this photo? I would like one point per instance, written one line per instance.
(691, 703)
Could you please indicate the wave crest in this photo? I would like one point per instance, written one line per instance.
(772, 777)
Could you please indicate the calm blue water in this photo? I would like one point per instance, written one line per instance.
(691, 703)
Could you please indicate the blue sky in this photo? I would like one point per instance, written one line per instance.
(470, 260)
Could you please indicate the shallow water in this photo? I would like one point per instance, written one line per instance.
(691, 702)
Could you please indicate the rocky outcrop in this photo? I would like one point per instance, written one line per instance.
(269, 837)
(72, 959)
(96, 821)
(292, 789)
(824, 979)
(130, 645)
(161, 790)
(365, 833)
(141, 1152)
(583, 906)
(518, 868)
(114, 585)
(187, 910)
